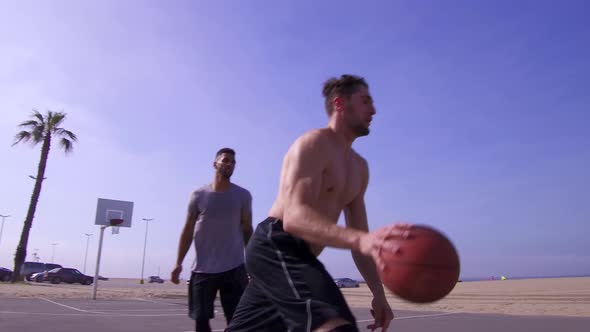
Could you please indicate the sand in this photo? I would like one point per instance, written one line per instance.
(556, 296)
(559, 296)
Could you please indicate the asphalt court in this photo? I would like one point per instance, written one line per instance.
(162, 315)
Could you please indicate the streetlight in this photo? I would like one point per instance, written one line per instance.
(53, 251)
(86, 255)
(2, 227)
(144, 245)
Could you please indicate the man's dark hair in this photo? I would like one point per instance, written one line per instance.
(344, 86)
(225, 150)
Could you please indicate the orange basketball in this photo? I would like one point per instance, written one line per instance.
(425, 269)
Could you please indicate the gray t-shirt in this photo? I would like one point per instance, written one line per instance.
(218, 237)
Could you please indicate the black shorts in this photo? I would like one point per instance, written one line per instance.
(203, 290)
(290, 289)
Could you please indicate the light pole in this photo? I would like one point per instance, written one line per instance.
(2, 227)
(144, 246)
(36, 255)
(86, 254)
(53, 251)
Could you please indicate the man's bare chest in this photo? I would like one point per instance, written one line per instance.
(341, 183)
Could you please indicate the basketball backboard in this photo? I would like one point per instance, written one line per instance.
(110, 209)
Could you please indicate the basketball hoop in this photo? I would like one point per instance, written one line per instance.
(115, 225)
(116, 222)
(114, 214)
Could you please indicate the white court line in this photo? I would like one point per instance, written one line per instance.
(105, 313)
(83, 312)
(412, 317)
(45, 313)
(372, 320)
(165, 303)
(140, 310)
(72, 308)
(88, 314)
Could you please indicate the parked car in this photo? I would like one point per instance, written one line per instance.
(155, 279)
(37, 276)
(67, 275)
(346, 283)
(5, 274)
(29, 268)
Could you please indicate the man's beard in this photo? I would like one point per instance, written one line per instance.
(360, 130)
(356, 125)
(226, 174)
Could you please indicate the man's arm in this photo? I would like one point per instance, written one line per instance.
(186, 238)
(300, 190)
(355, 215)
(246, 218)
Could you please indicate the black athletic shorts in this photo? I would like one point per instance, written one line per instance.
(203, 290)
(290, 289)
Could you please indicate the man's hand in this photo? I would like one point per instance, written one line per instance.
(175, 274)
(371, 244)
(382, 314)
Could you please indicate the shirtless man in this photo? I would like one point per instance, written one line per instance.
(322, 175)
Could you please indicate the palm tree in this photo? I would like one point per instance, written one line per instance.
(41, 129)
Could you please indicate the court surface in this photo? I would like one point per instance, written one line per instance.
(163, 315)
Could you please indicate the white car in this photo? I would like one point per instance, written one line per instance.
(346, 283)
(37, 276)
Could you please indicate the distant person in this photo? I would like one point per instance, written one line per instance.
(290, 290)
(219, 223)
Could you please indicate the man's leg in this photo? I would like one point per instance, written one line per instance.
(202, 326)
(203, 290)
(231, 288)
(298, 284)
(337, 325)
(255, 313)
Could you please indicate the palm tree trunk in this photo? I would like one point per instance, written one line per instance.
(21, 249)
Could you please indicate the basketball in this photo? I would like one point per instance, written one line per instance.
(425, 269)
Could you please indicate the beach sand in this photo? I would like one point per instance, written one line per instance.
(554, 296)
(559, 296)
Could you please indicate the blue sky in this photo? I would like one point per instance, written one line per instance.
(482, 109)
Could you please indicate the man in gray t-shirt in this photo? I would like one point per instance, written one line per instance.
(219, 223)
